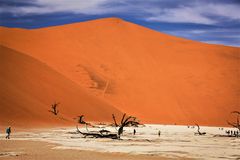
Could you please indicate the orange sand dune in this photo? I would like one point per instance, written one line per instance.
(155, 76)
(29, 87)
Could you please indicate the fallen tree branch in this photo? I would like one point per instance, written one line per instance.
(99, 134)
(125, 121)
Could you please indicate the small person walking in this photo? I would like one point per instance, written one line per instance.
(228, 132)
(159, 133)
(134, 131)
(8, 131)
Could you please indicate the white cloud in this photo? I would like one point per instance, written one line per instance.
(207, 33)
(225, 10)
(212, 36)
(52, 6)
(200, 12)
(236, 44)
(179, 15)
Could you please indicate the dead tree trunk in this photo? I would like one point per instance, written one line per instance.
(129, 121)
(199, 133)
(80, 120)
(99, 134)
(237, 123)
(54, 109)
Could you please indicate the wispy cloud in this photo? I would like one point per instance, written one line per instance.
(213, 36)
(179, 15)
(202, 12)
(46, 7)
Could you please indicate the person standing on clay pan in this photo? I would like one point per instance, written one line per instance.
(8, 131)
(134, 131)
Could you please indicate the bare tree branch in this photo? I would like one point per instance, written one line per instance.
(129, 121)
(199, 133)
(54, 109)
(237, 123)
(123, 118)
(114, 119)
(81, 120)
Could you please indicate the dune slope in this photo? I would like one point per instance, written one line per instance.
(155, 76)
(29, 87)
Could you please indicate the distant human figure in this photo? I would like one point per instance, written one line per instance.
(159, 133)
(8, 131)
(134, 131)
(228, 132)
(231, 132)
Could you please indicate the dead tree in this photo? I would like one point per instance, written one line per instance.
(125, 121)
(199, 133)
(99, 134)
(237, 123)
(129, 121)
(81, 120)
(54, 109)
(122, 120)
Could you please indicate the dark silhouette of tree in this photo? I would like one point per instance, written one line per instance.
(81, 120)
(129, 121)
(199, 133)
(125, 121)
(54, 109)
(100, 134)
(237, 123)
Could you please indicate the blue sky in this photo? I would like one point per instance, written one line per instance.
(211, 21)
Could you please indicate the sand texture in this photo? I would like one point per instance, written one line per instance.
(33, 150)
(111, 63)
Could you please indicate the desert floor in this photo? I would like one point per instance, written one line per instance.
(178, 142)
(29, 150)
